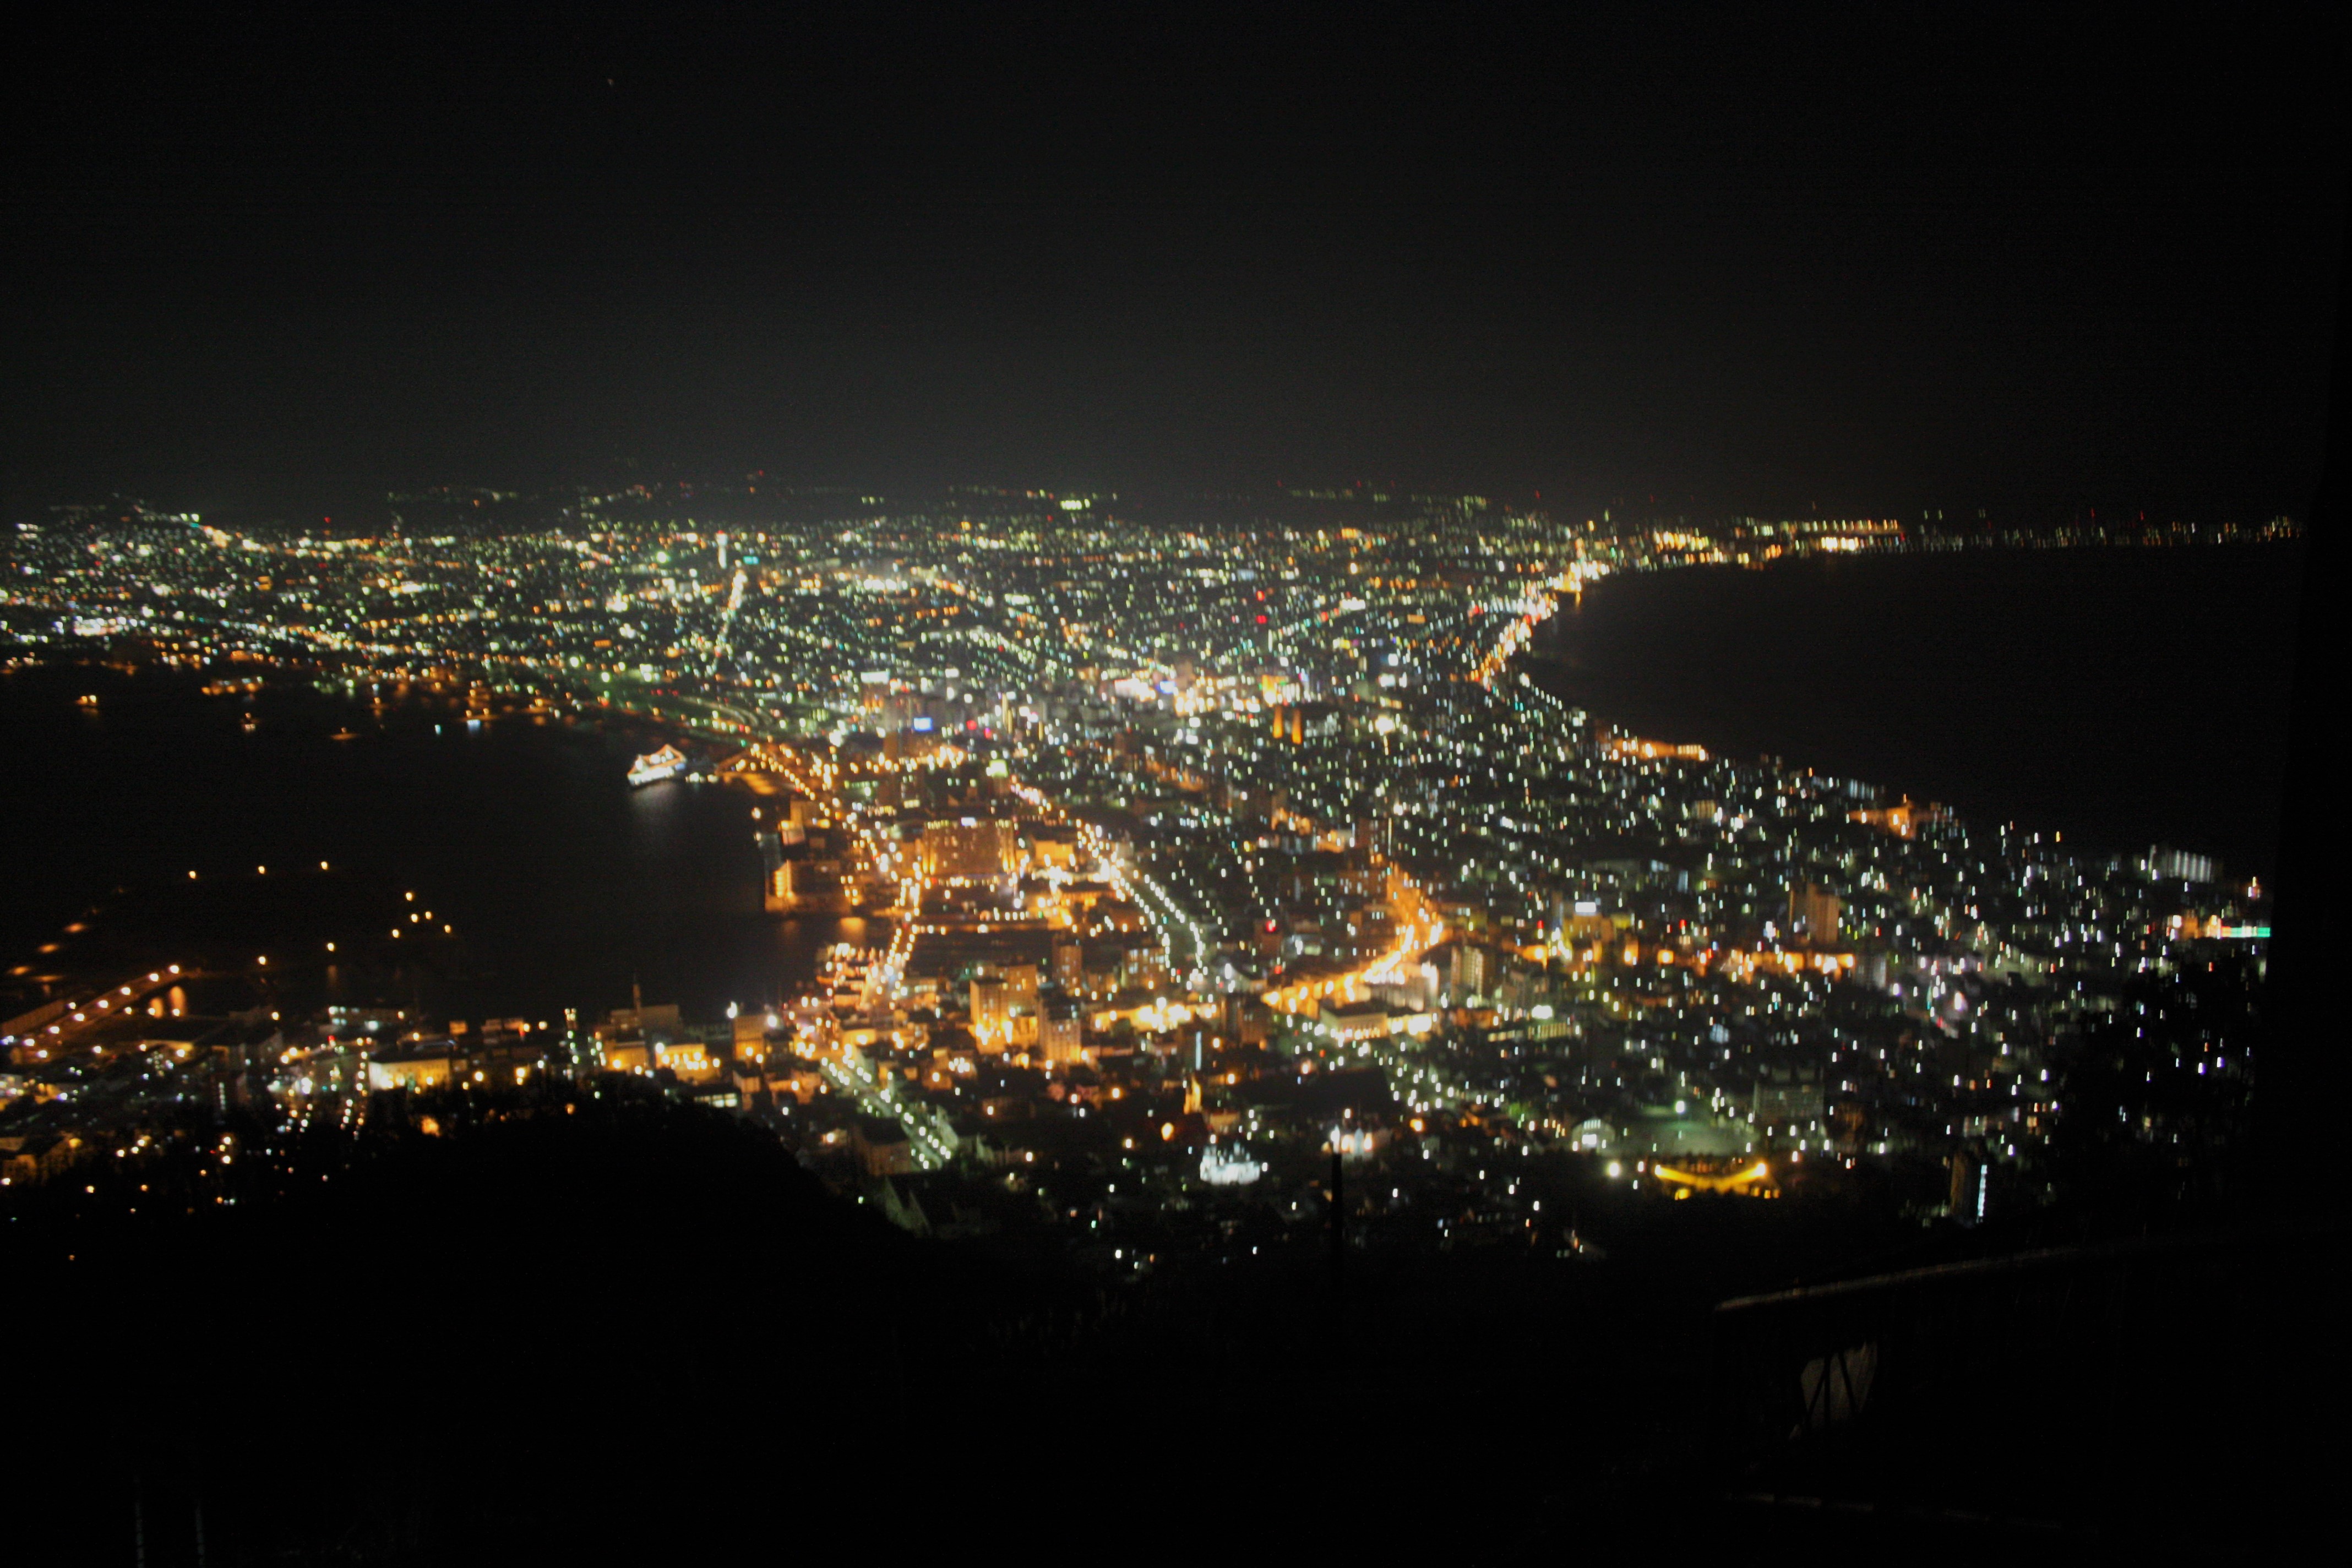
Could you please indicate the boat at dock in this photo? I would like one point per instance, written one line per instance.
(668, 763)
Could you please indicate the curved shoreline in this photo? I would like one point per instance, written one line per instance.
(2126, 696)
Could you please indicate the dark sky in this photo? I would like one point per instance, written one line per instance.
(1754, 257)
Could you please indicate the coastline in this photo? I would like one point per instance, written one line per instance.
(2124, 696)
(562, 879)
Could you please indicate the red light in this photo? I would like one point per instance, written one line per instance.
(1261, 620)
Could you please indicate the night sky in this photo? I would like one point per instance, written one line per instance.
(1744, 260)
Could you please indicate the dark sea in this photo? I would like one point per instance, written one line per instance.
(2122, 697)
(564, 884)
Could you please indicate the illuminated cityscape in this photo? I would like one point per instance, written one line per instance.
(1459, 782)
(1193, 854)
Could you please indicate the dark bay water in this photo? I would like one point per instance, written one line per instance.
(2122, 696)
(562, 882)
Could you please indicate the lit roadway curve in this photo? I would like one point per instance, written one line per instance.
(1419, 931)
(68, 1029)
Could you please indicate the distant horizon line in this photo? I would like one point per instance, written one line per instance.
(1640, 510)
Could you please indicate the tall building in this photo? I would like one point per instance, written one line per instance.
(2163, 865)
(968, 847)
(1471, 971)
(1813, 913)
(991, 1014)
(1061, 1033)
(1971, 1182)
(1788, 1099)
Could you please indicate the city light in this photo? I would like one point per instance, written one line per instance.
(1129, 867)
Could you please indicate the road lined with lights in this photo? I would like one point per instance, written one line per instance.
(99, 1011)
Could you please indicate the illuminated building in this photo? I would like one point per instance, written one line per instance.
(992, 1014)
(422, 1066)
(1346, 1023)
(1788, 1099)
(2165, 865)
(805, 885)
(750, 1030)
(1229, 1165)
(691, 1060)
(1745, 1178)
(974, 847)
(1813, 913)
(1060, 1034)
(1970, 1185)
(882, 1147)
